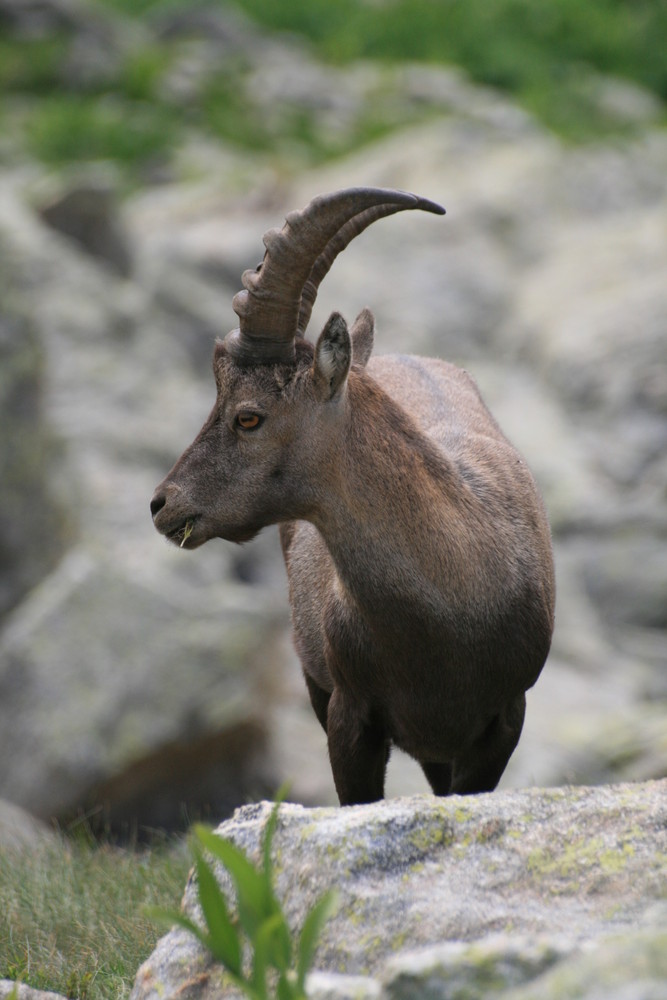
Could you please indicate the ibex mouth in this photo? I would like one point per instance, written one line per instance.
(182, 534)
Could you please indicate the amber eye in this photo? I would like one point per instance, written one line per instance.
(248, 421)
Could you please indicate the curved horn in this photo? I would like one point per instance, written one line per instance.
(353, 227)
(278, 296)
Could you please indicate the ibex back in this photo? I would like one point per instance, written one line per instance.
(417, 547)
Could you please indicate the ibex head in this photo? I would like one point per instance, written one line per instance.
(261, 457)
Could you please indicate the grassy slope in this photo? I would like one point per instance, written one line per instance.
(511, 44)
(507, 43)
(72, 917)
(545, 54)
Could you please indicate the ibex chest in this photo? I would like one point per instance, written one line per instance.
(383, 640)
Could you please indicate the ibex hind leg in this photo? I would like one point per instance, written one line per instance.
(481, 768)
(358, 753)
(319, 699)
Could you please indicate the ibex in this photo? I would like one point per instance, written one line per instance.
(417, 547)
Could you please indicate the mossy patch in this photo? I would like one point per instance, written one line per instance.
(425, 839)
(462, 814)
(577, 859)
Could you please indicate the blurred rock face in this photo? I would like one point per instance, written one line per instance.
(86, 212)
(145, 683)
(34, 526)
(142, 716)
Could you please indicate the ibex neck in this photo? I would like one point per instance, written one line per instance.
(387, 518)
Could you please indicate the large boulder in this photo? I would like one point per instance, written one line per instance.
(143, 709)
(471, 892)
(20, 830)
(86, 211)
(35, 528)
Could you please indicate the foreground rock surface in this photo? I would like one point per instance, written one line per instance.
(450, 897)
(10, 990)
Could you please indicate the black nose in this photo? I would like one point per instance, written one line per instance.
(157, 503)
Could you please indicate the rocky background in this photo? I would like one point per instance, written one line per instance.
(141, 686)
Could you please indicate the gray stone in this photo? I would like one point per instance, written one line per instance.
(97, 40)
(632, 966)
(35, 18)
(334, 986)
(227, 27)
(548, 871)
(19, 991)
(119, 702)
(625, 101)
(87, 212)
(35, 528)
(462, 971)
(626, 576)
(19, 831)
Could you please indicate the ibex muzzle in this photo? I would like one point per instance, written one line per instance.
(417, 547)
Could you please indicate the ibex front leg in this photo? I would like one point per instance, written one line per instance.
(358, 751)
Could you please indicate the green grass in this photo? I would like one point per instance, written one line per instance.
(545, 54)
(74, 127)
(72, 914)
(508, 43)
(292, 132)
(31, 65)
(541, 52)
(142, 72)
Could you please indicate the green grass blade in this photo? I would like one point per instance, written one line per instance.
(287, 989)
(265, 951)
(281, 954)
(310, 933)
(279, 942)
(256, 901)
(223, 937)
(270, 828)
(267, 840)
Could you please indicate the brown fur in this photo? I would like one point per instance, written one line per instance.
(417, 550)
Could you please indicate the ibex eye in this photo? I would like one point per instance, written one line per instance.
(248, 421)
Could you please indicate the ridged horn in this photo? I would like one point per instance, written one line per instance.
(278, 296)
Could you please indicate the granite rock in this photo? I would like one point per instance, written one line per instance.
(464, 893)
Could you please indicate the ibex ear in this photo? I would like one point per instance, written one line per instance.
(333, 354)
(362, 333)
